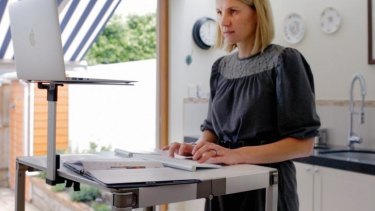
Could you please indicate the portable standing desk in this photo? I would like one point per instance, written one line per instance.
(214, 182)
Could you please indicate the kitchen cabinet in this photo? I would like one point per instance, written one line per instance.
(326, 189)
(305, 186)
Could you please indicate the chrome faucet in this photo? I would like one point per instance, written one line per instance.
(353, 138)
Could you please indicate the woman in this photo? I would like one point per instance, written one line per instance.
(262, 104)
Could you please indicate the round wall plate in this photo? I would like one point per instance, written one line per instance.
(330, 20)
(294, 28)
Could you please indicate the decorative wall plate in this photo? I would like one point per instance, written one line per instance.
(330, 20)
(294, 28)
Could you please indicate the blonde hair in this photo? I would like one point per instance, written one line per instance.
(264, 32)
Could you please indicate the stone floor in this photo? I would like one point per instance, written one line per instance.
(7, 201)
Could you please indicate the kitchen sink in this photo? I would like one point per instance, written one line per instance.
(351, 155)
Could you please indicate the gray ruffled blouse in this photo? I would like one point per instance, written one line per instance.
(262, 98)
(259, 100)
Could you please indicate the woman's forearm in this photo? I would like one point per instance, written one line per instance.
(285, 149)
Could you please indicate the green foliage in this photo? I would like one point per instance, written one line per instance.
(106, 148)
(59, 187)
(100, 207)
(93, 148)
(86, 193)
(122, 41)
(42, 175)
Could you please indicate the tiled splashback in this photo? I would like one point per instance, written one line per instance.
(334, 115)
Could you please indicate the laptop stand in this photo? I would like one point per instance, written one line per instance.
(53, 159)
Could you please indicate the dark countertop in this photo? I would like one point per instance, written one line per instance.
(343, 163)
(327, 160)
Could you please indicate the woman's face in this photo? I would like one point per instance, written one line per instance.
(237, 21)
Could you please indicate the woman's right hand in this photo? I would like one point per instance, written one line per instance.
(186, 149)
(183, 149)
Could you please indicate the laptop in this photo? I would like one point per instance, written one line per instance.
(37, 44)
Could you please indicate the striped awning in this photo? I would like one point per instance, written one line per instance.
(81, 21)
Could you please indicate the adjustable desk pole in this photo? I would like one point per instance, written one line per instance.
(53, 160)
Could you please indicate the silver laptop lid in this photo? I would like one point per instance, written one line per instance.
(36, 38)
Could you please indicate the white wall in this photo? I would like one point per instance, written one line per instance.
(334, 58)
(183, 14)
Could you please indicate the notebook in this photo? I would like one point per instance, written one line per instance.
(37, 44)
(128, 173)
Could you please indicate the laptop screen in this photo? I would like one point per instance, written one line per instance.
(36, 36)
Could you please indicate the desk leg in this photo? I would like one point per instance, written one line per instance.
(20, 187)
(272, 193)
(123, 201)
(126, 202)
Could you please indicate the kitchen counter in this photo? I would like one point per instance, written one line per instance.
(348, 164)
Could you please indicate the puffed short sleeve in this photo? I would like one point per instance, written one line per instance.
(296, 109)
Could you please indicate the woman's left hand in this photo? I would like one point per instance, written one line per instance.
(213, 153)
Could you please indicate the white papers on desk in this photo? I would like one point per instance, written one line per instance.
(161, 156)
(85, 166)
(116, 163)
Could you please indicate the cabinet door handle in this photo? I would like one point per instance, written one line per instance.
(312, 169)
(316, 170)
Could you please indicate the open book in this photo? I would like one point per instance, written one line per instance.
(128, 172)
(178, 162)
